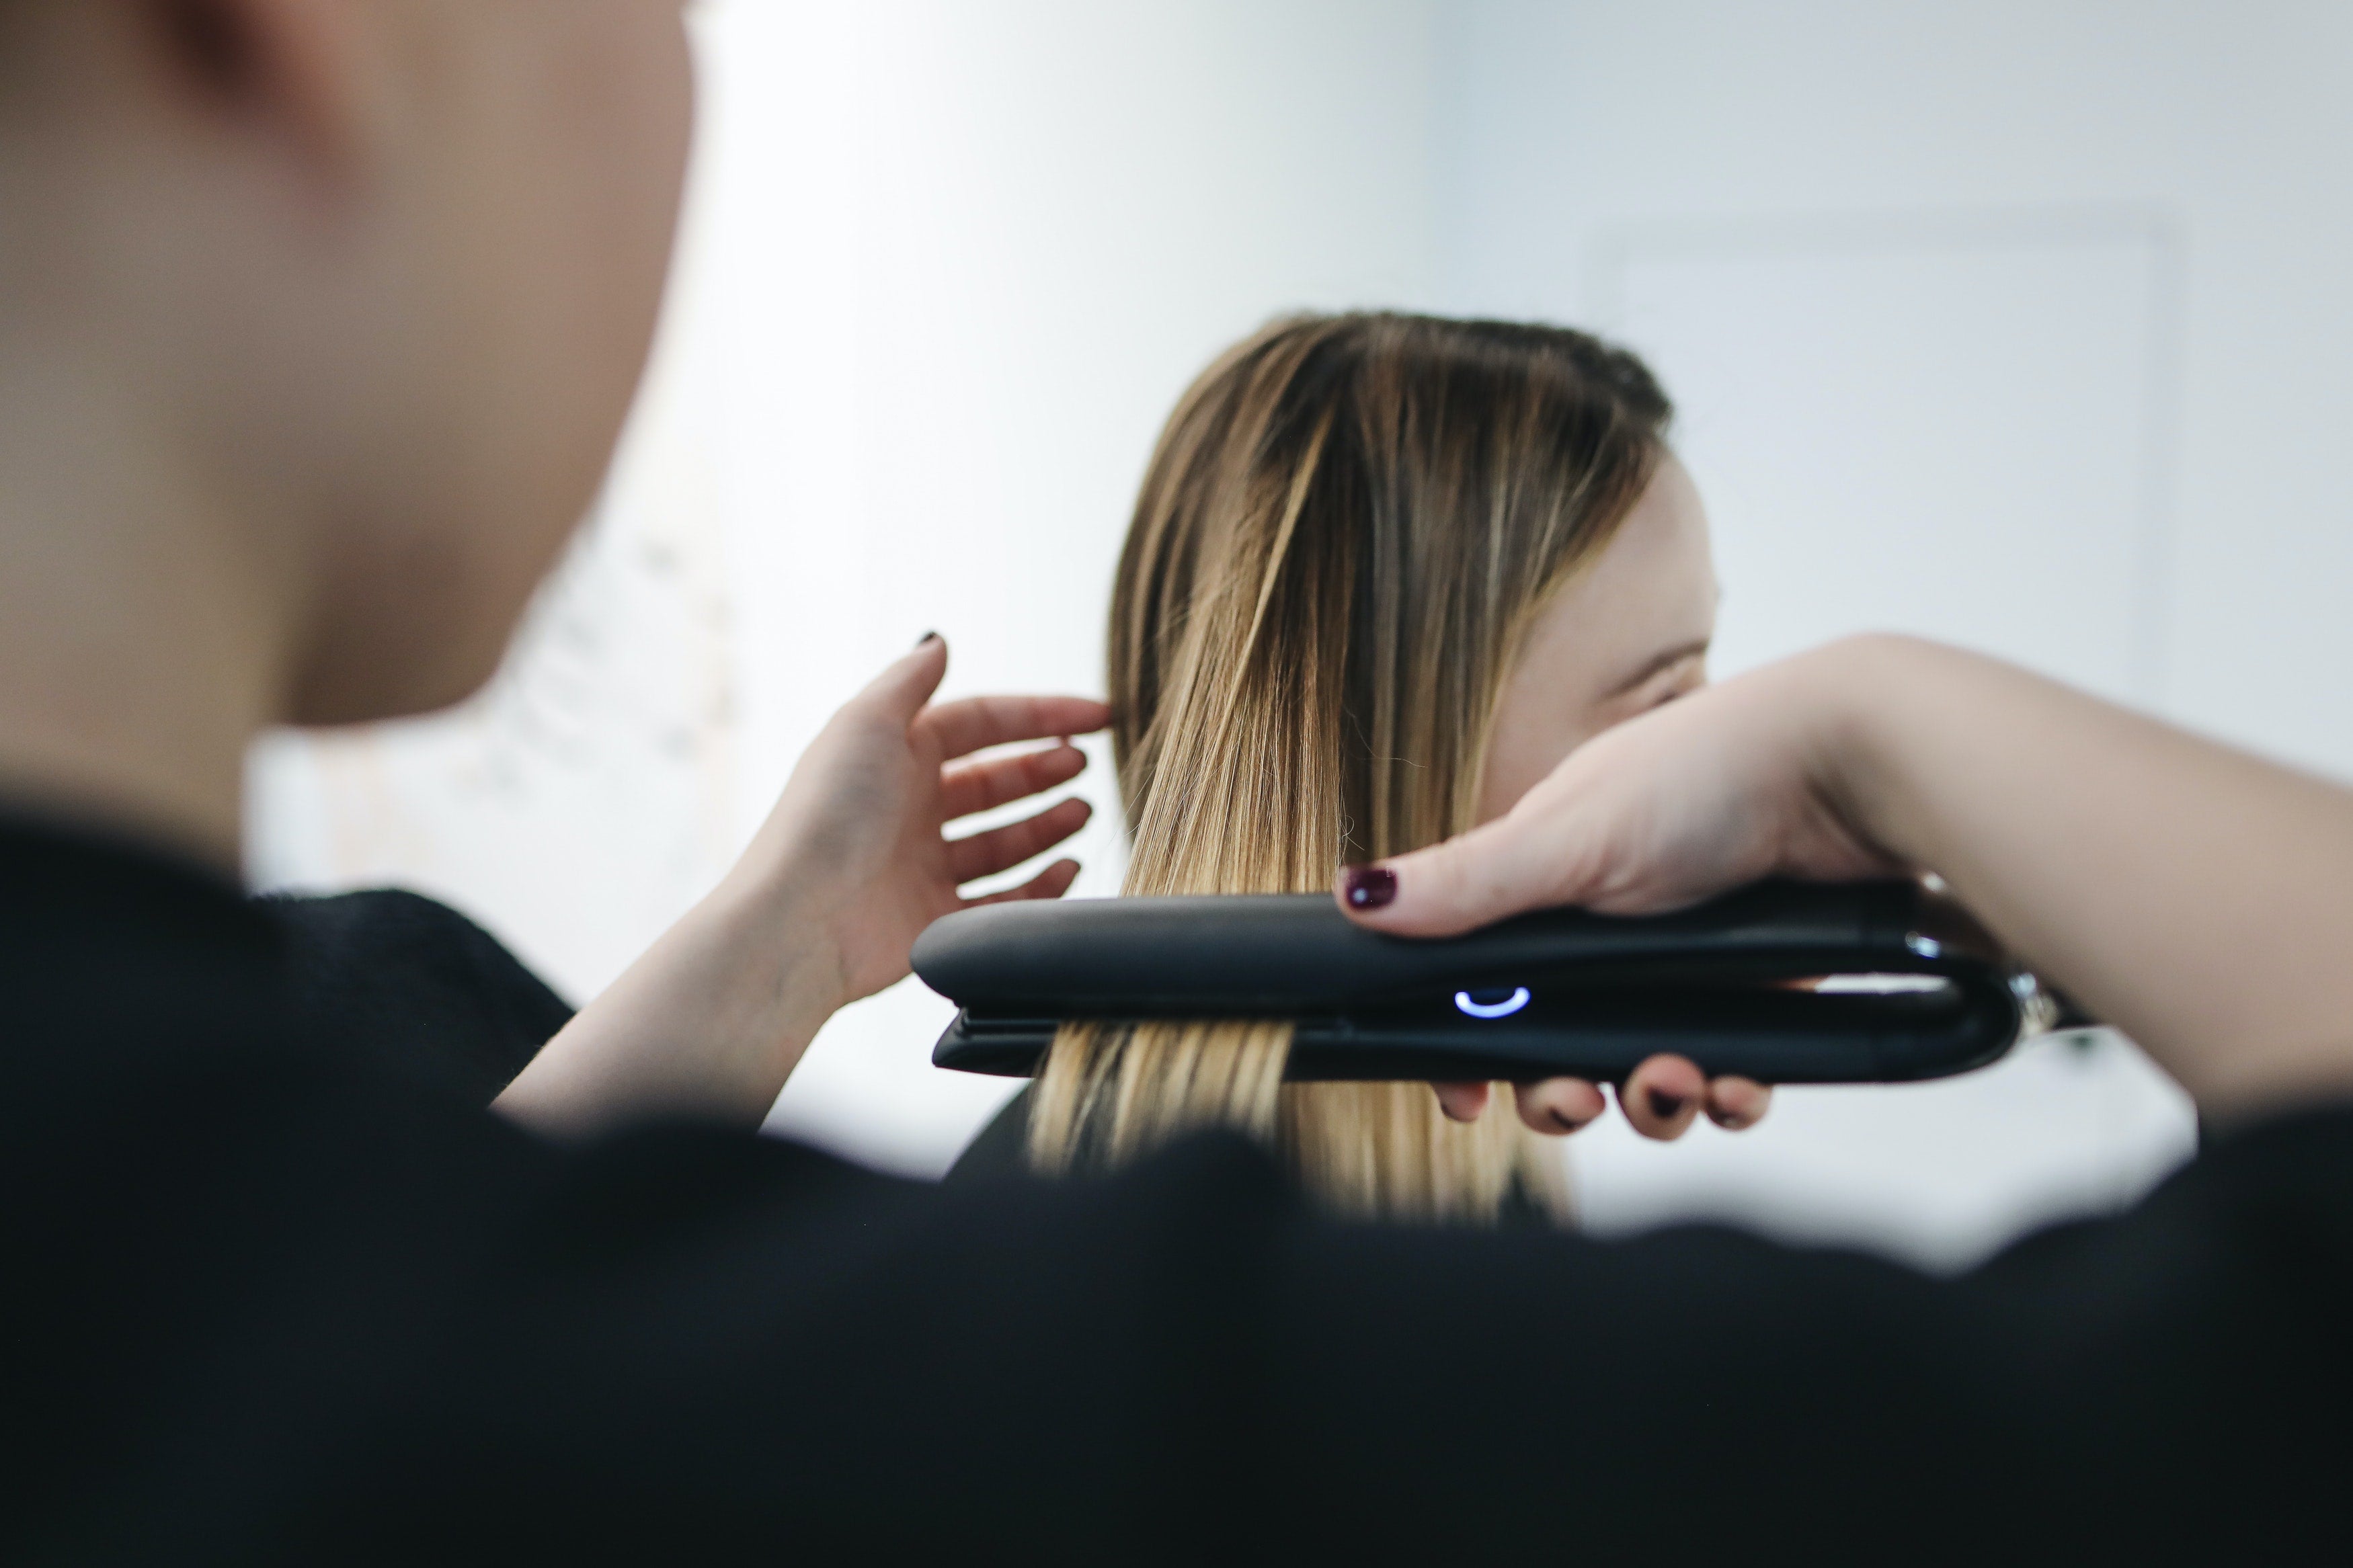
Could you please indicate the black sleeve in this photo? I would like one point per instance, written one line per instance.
(314, 1322)
(415, 986)
(998, 1148)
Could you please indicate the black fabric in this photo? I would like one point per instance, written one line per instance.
(414, 987)
(273, 1304)
(999, 1148)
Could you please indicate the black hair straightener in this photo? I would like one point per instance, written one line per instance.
(1782, 981)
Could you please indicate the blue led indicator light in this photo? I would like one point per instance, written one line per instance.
(1503, 1009)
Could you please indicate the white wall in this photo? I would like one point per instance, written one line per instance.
(2220, 130)
(2018, 322)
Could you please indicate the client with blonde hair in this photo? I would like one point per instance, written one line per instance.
(1384, 572)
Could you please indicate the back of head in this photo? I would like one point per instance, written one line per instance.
(1344, 533)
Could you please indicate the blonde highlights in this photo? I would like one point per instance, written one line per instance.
(1347, 527)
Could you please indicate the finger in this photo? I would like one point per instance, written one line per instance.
(1050, 883)
(1663, 1096)
(1559, 1106)
(1001, 848)
(902, 690)
(1736, 1103)
(1492, 871)
(1462, 1101)
(978, 786)
(970, 723)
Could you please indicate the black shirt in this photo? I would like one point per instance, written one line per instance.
(414, 987)
(272, 1303)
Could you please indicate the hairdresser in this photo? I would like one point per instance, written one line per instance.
(317, 321)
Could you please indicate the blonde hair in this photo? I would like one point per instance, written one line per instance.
(1343, 535)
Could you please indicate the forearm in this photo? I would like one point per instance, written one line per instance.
(2199, 900)
(852, 863)
(708, 1023)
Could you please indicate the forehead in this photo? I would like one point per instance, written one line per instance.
(1658, 564)
(1651, 588)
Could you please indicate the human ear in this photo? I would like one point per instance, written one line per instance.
(303, 70)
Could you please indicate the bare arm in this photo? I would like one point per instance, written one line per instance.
(850, 868)
(2201, 900)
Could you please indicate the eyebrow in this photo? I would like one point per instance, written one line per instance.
(1666, 659)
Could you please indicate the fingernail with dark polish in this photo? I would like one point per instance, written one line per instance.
(1664, 1106)
(927, 637)
(1368, 886)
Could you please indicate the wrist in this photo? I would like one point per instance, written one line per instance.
(1836, 708)
(777, 933)
(1857, 695)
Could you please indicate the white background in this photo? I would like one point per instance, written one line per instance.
(2018, 323)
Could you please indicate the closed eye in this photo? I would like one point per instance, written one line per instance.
(1680, 681)
(1669, 662)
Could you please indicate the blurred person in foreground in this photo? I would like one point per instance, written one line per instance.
(317, 321)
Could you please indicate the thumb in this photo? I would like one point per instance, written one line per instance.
(1485, 875)
(902, 690)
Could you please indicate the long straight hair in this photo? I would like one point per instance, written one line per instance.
(1346, 529)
